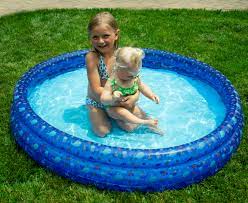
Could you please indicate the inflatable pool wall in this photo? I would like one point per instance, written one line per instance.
(126, 169)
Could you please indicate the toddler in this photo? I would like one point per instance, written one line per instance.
(125, 81)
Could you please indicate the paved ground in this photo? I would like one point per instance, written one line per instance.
(11, 6)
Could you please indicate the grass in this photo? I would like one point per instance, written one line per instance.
(214, 37)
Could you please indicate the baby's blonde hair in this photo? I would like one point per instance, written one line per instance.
(129, 55)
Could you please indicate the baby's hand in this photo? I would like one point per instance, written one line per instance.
(117, 96)
(155, 98)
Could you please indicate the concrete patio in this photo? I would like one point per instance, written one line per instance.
(12, 6)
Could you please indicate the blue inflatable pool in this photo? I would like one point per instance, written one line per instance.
(122, 168)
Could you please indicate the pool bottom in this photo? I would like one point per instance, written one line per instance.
(189, 109)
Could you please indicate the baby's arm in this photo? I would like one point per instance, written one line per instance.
(146, 91)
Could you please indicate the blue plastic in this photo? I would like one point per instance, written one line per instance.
(127, 169)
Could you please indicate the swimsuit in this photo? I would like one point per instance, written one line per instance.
(125, 90)
(102, 69)
(92, 102)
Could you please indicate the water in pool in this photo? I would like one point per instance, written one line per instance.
(189, 109)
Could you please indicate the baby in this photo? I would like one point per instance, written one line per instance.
(125, 81)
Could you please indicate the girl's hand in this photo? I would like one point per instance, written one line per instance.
(155, 98)
(127, 102)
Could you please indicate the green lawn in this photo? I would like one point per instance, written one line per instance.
(214, 37)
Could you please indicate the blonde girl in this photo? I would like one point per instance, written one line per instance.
(125, 81)
(103, 34)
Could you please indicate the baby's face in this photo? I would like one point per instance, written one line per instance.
(127, 71)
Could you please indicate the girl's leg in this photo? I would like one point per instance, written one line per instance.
(99, 120)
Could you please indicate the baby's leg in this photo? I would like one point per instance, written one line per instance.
(125, 115)
(129, 127)
(141, 114)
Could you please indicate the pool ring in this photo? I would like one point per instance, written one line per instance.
(119, 168)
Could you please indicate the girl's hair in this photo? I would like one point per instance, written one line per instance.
(129, 55)
(103, 18)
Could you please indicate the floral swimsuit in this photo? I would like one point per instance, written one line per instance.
(102, 69)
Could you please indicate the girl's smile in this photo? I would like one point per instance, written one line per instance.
(103, 38)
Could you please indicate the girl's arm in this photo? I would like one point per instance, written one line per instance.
(92, 61)
(129, 101)
(146, 91)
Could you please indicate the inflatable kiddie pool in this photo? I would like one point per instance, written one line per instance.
(121, 167)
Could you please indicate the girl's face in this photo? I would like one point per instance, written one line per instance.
(103, 38)
(127, 72)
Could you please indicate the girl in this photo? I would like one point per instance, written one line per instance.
(104, 34)
(125, 81)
